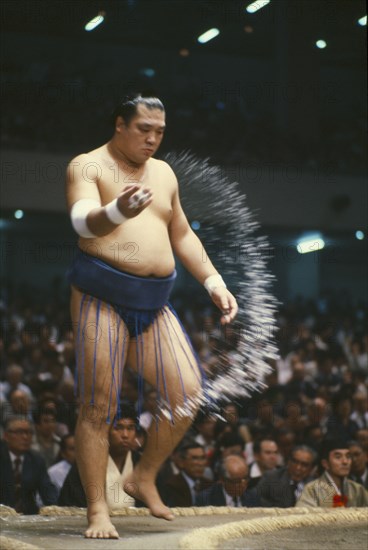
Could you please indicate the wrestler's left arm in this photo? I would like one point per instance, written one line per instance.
(190, 251)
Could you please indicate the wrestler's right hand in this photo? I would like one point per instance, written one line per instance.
(134, 199)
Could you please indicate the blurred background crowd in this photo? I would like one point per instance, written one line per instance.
(317, 389)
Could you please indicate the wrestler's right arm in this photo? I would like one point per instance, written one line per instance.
(82, 182)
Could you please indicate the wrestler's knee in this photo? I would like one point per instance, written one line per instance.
(193, 389)
(97, 414)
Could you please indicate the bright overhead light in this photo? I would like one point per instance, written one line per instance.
(95, 22)
(18, 214)
(359, 235)
(362, 21)
(208, 35)
(310, 244)
(255, 6)
(321, 44)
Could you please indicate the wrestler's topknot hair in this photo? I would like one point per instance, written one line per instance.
(127, 106)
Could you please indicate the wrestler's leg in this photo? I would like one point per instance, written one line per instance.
(169, 366)
(97, 330)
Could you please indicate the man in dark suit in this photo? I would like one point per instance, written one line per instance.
(282, 487)
(181, 489)
(23, 472)
(266, 455)
(231, 490)
(359, 465)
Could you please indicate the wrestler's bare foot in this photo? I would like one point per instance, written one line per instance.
(100, 526)
(144, 489)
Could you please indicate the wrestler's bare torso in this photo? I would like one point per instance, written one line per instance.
(141, 245)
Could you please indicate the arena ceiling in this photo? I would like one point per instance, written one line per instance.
(176, 24)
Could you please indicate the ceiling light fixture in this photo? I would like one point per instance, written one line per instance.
(208, 35)
(255, 6)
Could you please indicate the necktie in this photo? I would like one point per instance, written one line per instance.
(18, 484)
(196, 490)
(293, 487)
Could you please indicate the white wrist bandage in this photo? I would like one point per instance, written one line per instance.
(113, 213)
(79, 213)
(212, 282)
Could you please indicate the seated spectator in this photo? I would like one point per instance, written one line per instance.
(229, 443)
(60, 470)
(14, 376)
(359, 464)
(316, 414)
(299, 387)
(293, 417)
(313, 437)
(340, 424)
(266, 420)
(181, 489)
(19, 404)
(360, 410)
(204, 425)
(45, 441)
(50, 402)
(232, 489)
(286, 440)
(169, 468)
(230, 413)
(122, 437)
(362, 437)
(266, 456)
(282, 487)
(334, 489)
(23, 471)
(150, 409)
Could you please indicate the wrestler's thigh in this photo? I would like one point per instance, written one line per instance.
(168, 360)
(101, 341)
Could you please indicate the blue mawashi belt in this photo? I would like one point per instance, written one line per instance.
(97, 278)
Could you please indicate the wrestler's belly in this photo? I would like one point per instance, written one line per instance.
(143, 251)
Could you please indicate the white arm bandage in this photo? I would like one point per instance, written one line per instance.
(212, 282)
(113, 213)
(79, 213)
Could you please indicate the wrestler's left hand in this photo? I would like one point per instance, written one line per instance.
(226, 303)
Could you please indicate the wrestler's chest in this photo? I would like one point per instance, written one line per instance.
(160, 207)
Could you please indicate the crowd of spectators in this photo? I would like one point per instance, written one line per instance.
(309, 425)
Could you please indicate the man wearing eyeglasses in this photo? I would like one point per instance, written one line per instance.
(23, 472)
(282, 487)
(232, 489)
(181, 489)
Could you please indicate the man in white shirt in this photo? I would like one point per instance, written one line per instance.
(60, 470)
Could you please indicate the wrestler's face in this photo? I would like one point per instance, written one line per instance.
(140, 139)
